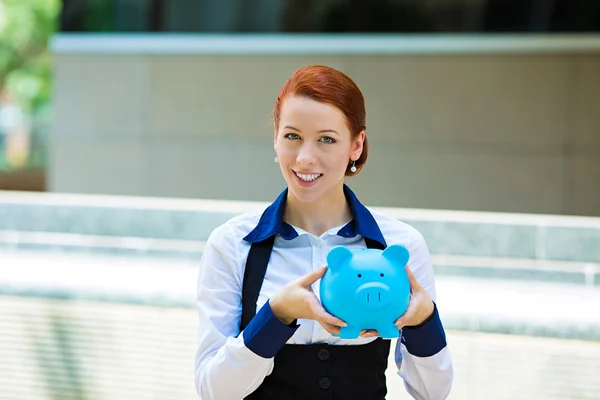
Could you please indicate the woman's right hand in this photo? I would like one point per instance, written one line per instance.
(298, 301)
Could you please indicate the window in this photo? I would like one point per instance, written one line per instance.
(331, 16)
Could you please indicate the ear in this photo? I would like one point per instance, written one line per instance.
(337, 256)
(357, 146)
(397, 253)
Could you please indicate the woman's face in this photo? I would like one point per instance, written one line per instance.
(314, 145)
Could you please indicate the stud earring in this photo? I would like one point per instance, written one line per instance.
(276, 159)
(353, 168)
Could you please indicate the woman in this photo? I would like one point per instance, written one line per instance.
(263, 333)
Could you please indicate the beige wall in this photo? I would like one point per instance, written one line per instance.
(502, 132)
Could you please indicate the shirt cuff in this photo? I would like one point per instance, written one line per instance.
(426, 339)
(265, 335)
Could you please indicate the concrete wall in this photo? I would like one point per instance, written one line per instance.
(515, 131)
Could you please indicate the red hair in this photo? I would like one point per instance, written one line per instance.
(328, 85)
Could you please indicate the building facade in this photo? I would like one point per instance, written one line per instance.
(177, 101)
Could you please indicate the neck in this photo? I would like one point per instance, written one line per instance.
(319, 216)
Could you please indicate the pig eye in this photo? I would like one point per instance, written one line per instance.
(360, 275)
(381, 274)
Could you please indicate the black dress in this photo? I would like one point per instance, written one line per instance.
(314, 371)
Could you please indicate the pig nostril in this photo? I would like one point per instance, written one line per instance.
(379, 294)
(367, 297)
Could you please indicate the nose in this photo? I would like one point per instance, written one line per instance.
(306, 154)
(371, 296)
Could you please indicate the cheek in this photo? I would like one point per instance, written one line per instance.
(286, 154)
(338, 159)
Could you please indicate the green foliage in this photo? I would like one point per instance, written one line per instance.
(25, 65)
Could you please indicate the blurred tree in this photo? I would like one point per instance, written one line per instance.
(25, 64)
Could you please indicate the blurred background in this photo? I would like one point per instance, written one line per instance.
(130, 129)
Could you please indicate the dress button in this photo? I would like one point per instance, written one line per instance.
(323, 354)
(325, 383)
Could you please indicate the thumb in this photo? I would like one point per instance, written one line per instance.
(312, 277)
(414, 284)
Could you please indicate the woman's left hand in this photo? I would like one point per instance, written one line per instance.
(419, 308)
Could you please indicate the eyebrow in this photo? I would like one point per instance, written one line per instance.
(321, 131)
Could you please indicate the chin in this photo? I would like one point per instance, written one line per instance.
(310, 194)
(306, 195)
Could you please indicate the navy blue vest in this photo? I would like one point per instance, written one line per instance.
(314, 371)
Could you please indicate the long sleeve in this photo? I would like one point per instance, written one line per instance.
(230, 365)
(422, 355)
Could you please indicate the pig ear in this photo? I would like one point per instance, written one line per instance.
(397, 253)
(337, 256)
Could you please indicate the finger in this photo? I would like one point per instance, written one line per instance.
(414, 284)
(409, 314)
(312, 277)
(321, 315)
(369, 333)
(334, 330)
(329, 319)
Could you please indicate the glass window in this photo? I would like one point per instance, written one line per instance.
(331, 16)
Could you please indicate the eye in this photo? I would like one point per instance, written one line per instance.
(360, 275)
(381, 274)
(328, 140)
(292, 136)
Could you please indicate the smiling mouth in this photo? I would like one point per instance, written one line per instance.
(307, 177)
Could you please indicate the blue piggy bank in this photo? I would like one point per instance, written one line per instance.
(366, 288)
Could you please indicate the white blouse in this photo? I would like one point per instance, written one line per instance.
(230, 365)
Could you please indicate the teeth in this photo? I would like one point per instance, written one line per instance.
(308, 178)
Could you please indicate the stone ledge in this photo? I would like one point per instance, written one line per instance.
(548, 309)
(97, 218)
(504, 268)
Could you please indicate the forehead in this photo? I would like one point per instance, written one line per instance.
(304, 112)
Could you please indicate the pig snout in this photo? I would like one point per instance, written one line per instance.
(372, 295)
